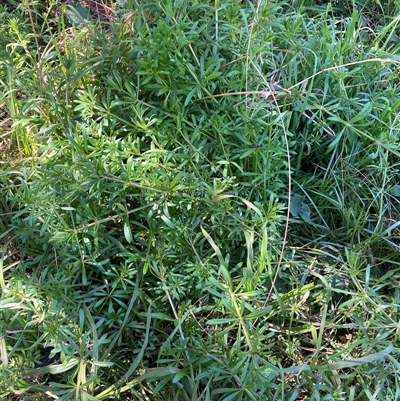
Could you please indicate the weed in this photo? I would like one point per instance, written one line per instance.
(211, 212)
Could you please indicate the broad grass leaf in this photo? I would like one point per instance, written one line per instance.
(305, 213)
(295, 205)
(299, 208)
(395, 191)
(78, 15)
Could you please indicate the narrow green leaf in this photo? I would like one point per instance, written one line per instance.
(226, 275)
(190, 96)
(212, 76)
(128, 232)
(363, 114)
(214, 246)
(220, 321)
(167, 221)
(252, 206)
(53, 369)
(103, 364)
(132, 368)
(349, 363)
(179, 375)
(162, 316)
(259, 313)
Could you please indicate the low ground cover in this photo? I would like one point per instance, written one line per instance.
(200, 200)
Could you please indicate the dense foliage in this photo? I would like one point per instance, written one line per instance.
(200, 200)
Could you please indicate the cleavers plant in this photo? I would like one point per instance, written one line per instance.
(210, 210)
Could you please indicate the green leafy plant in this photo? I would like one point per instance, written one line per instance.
(212, 208)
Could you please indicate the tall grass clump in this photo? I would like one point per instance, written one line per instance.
(212, 208)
